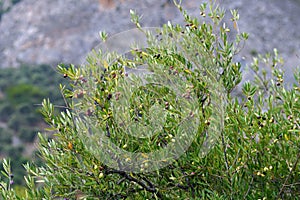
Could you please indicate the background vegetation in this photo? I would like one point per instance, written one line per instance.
(21, 93)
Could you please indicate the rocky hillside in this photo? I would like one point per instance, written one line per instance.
(54, 31)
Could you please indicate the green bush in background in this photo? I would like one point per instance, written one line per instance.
(22, 91)
(257, 156)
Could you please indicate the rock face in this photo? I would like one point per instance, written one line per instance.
(52, 31)
(55, 31)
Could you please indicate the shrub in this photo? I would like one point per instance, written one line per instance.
(5, 139)
(256, 156)
(27, 134)
(20, 116)
(6, 110)
(24, 93)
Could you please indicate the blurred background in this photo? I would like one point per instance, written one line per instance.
(35, 36)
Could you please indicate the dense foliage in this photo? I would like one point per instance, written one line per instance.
(256, 156)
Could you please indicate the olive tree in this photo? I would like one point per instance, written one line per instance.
(160, 121)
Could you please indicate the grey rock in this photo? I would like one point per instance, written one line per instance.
(55, 31)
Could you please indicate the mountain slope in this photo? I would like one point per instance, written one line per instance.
(53, 31)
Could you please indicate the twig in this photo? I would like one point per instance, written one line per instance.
(250, 186)
(287, 178)
(121, 180)
(225, 153)
(149, 186)
(293, 184)
(55, 106)
(265, 85)
(2, 186)
(226, 161)
(188, 182)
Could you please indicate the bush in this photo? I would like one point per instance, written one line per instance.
(24, 93)
(256, 155)
(6, 110)
(19, 112)
(27, 134)
(5, 139)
